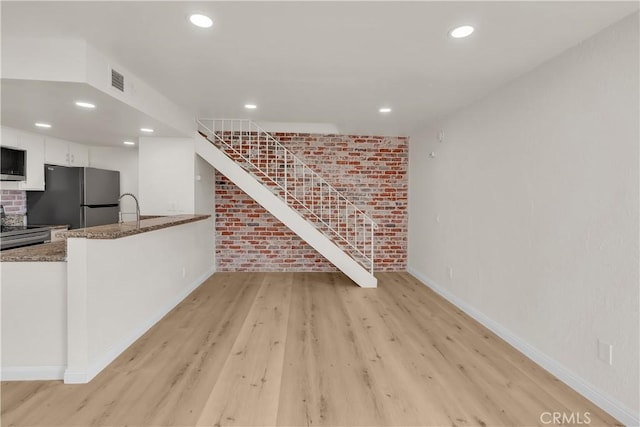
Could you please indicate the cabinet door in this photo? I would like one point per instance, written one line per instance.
(56, 152)
(9, 137)
(78, 155)
(34, 145)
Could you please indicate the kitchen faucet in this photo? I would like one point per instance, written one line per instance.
(137, 209)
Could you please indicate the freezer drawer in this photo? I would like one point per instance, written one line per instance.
(99, 215)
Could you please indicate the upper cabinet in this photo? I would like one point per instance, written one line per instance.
(56, 152)
(33, 144)
(9, 137)
(78, 154)
(41, 150)
(65, 153)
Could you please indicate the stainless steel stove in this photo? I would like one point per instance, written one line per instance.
(17, 236)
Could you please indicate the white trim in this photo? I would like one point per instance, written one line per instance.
(32, 373)
(75, 377)
(95, 367)
(609, 404)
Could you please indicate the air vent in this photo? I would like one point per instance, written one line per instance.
(117, 80)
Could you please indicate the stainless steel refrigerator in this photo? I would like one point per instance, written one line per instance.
(79, 197)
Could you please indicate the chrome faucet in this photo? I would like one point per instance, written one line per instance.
(137, 209)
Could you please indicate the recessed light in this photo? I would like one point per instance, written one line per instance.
(200, 20)
(461, 32)
(250, 106)
(385, 110)
(43, 125)
(147, 130)
(128, 143)
(84, 104)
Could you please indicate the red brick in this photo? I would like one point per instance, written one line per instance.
(349, 163)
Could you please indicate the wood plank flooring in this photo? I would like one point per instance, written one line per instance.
(306, 349)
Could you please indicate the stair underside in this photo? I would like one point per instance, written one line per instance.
(292, 214)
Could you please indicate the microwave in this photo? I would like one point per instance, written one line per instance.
(13, 164)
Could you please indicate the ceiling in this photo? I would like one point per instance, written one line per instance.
(321, 62)
(25, 102)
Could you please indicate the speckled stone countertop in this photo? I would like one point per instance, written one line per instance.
(57, 251)
(115, 231)
(45, 252)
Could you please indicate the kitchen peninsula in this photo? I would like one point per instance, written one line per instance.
(70, 308)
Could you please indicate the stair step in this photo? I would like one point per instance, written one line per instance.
(296, 205)
(305, 217)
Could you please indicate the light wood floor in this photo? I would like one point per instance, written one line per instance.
(306, 349)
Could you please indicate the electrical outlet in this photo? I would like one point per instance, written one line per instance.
(450, 272)
(441, 136)
(184, 272)
(605, 352)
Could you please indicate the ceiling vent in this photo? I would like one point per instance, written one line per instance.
(117, 80)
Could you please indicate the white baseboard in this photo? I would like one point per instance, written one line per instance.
(95, 367)
(614, 407)
(32, 373)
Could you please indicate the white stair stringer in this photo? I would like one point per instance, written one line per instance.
(287, 215)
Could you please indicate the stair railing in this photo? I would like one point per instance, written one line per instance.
(296, 183)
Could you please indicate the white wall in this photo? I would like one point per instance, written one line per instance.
(124, 160)
(204, 187)
(166, 174)
(205, 201)
(118, 289)
(532, 200)
(34, 320)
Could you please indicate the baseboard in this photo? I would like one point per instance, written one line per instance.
(75, 377)
(32, 373)
(612, 406)
(95, 367)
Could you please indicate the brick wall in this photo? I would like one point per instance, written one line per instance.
(370, 170)
(14, 201)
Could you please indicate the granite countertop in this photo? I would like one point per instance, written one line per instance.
(45, 252)
(116, 231)
(57, 251)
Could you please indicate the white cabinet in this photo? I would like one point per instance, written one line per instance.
(78, 155)
(9, 137)
(56, 152)
(41, 150)
(65, 153)
(33, 144)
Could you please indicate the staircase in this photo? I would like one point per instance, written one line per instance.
(292, 192)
